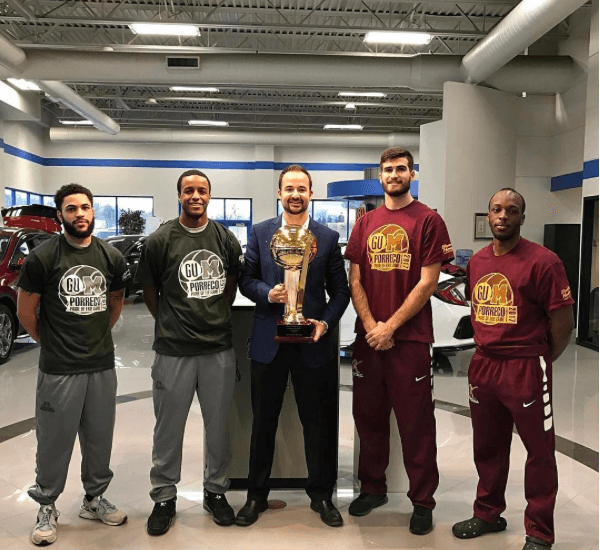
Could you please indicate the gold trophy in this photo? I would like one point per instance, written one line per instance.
(293, 247)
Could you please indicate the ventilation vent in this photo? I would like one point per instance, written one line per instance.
(183, 62)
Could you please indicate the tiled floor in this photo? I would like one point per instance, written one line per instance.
(576, 416)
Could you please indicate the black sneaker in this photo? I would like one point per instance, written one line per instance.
(475, 527)
(421, 521)
(161, 517)
(218, 506)
(533, 543)
(365, 502)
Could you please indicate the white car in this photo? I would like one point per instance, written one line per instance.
(452, 327)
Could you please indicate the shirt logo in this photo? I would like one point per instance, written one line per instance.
(387, 248)
(82, 289)
(355, 371)
(566, 293)
(447, 249)
(492, 301)
(201, 274)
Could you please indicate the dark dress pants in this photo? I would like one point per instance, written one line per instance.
(315, 390)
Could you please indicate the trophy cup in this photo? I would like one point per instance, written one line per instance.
(293, 247)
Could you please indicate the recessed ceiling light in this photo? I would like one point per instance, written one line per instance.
(361, 94)
(151, 101)
(208, 123)
(165, 29)
(207, 89)
(76, 122)
(397, 37)
(350, 106)
(24, 85)
(342, 127)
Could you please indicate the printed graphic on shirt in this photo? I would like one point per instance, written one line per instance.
(493, 300)
(201, 274)
(472, 397)
(566, 293)
(447, 249)
(355, 371)
(387, 248)
(82, 289)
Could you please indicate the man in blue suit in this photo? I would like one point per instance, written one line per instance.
(313, 366)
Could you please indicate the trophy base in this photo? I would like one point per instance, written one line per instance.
(301, 333)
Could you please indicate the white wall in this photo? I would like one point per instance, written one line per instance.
(432, 171)
(590, 186)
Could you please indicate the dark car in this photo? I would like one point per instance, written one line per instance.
(15, 244)
(131, 248)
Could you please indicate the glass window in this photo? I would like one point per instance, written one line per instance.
(237, 209)
(8, 198)
(241, 233)
(145, 204)
(49, 200)
(333, 214)
(352, 208)
(106, 216)
(35, 199)
(20, 197)
(216, 209)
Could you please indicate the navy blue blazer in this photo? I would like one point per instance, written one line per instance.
(325, 273)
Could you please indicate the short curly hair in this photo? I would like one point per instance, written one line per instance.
(71, 189)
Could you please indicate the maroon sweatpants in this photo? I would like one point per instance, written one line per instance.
(503, 391)
(398, 379)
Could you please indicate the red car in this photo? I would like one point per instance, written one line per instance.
(25, 228)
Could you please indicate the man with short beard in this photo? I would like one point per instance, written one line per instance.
(396, 252)
(522, 317)
(71, 290)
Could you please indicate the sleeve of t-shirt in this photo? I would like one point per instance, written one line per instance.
(554, 289)
(353, 248)
(236, 258)
(121, 275)
(436, 242)
(147, 272)
(32, 275)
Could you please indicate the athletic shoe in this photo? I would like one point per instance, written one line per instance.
(365, 502)
(161, 517)
(99, 508)
(45, 530)
(421, 521)
(217, 505)
(475, 527)
(533, 543)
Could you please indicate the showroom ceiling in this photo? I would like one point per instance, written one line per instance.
(306, 28)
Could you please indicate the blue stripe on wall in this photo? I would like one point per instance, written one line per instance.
(567, 181)
(590, 169)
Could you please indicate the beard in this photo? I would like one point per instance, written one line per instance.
(396, 192)
(302, 207)
(74, 232)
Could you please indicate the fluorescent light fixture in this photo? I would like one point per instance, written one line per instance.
(164, 29)
(206, 89)
(361, 94)
(76, 122)
(350, 106)
(342, 127)
(208, 123)
(397, 37)
(24, 85)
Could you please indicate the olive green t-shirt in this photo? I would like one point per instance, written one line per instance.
(189, 271)
(74, 318)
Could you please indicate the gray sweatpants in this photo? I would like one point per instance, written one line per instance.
(67, 405)
(175, 380)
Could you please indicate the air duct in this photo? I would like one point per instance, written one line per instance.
(13, 58)
(420, 72)
(80, 105)
(525, 24)
(308, 139)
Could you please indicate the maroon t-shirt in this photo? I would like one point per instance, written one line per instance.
(391, 246)
(511, 297)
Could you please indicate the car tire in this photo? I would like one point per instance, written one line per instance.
(7, 333)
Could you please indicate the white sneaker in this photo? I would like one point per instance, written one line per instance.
(100, 508)
(45, 530)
